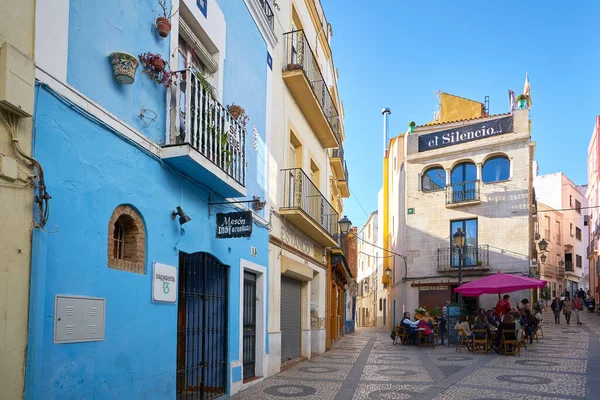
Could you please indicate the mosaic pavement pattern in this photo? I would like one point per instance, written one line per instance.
(367, 366)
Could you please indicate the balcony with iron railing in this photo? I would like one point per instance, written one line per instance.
(548, 270)
(473, 257)
(462, 193)
(569, 267)
(205, 141)
(306, 207)
(268, 12)
(302, 75)
(592, 248)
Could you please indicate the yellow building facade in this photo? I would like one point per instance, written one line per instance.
(16, 191)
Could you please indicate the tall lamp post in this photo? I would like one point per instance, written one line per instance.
(459, 241)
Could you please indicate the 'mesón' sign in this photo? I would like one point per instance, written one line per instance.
(234, 225)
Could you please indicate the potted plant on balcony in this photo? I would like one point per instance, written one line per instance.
(238, 113)
(124, 66)
(156, 68)
(479, 263)
(163, 22)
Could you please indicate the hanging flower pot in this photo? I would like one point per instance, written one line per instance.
(163, 26)
(124, 66)
(158, 64)
(235, 111)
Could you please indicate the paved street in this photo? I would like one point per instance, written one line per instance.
(563, 365)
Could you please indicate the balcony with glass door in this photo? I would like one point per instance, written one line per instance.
(306, 207)
(464, 186)
(302, 75)
(205, 141)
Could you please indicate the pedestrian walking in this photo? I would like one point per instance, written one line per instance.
(568, 309)
(576, 304)
(556, 307)
(443, 321)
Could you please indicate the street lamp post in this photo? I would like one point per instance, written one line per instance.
(459, 241)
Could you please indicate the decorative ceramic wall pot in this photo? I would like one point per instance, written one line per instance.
(163, 25)
(158, 64)
(124, 66)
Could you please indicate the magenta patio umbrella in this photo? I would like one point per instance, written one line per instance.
(499, 283)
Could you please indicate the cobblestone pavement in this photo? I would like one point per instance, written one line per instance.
(565, 364)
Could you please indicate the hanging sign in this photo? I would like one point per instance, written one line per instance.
(234, 225)
(465, 134)
(164, 283)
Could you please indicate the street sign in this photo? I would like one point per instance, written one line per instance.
(234, 225)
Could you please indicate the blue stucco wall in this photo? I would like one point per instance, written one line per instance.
(246, 58)
(98, 28)
(90, 170)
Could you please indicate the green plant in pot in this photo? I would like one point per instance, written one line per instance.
(411, 126)
(239, 114)
(521, 101)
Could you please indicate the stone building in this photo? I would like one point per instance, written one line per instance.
(472, 176)
(550, 263)
(593, 199)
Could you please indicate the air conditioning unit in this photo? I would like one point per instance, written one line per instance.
(17, 79)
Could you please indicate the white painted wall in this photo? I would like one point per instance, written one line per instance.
(52, 37)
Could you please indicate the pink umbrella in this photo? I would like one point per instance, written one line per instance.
(499, 283)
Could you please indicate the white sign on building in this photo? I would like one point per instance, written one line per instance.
(164, 283)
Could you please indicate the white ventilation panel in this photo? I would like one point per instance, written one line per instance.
(78, 319)
(17, 79)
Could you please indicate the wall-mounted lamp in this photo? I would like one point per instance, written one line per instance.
(388, 272)
(183, 217)
(543, 258)
(543, 245)
(561, 263)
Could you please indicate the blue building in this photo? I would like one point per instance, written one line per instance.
(150, 280)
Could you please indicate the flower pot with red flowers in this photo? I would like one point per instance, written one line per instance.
(163, 22)
(156, 68)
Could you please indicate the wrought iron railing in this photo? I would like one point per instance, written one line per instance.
(548, 270)
(569, 266)
(597, 229)
(472, 256)
(300, 56)
(462, 192)
(346, 177)
(266, 7)
(207, 126)
(300, 193)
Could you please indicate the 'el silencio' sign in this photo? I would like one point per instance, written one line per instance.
(465, 134)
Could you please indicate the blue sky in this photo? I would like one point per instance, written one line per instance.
(397, 53)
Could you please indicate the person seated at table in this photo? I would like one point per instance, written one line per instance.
(491, 318)
(464, 325)
(427, 332)
(530, 323)
(411, 327)
(481, 324)
(507, 324)
(518, 324)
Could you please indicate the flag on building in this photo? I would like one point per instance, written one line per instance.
(527, 90)
(512, 101)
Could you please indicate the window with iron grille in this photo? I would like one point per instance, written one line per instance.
(126, 240)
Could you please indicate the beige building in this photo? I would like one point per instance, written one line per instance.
(551, 266)
(368, 261)
(16, 189)
(470, 176)
(559, 192)
(308, 178)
